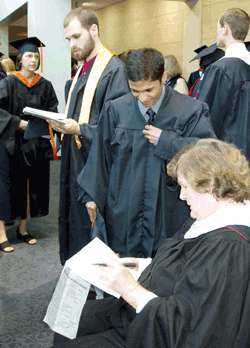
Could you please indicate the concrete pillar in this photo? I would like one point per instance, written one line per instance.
(4, 34)
(192, 35)
(45, 20)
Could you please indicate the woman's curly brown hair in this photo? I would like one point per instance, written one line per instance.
(211, 165)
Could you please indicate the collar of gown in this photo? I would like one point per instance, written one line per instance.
(238, 50)
(231, 215)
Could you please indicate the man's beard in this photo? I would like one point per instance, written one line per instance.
(86, 50)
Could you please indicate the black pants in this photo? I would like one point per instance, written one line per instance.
(95, 330)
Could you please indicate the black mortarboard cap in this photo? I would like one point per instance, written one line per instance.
(247, 43)
(211, 50)
(1, 54)
(199, 49)
(36, 128)
(29, 44)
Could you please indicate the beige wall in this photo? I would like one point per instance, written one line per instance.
(172, 27)
(211, 12)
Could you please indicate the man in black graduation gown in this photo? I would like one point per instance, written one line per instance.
(195, 75)
(2, 72)
(125, 174)
(82, 31)
(207, 56)
(226, 84)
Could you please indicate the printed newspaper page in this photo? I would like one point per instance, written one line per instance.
(65, 308)
(81, 270)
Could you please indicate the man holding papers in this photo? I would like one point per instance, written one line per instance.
(99, 79)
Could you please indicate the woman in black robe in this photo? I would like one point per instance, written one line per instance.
(24, 170)
(196, 291)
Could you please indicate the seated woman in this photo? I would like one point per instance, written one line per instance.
(173, 73)
(196, 291)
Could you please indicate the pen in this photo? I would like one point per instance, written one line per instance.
(126, 264)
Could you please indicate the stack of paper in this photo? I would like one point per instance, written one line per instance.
(64, 310)
(44, 114)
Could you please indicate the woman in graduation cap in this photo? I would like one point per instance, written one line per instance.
(24, 170)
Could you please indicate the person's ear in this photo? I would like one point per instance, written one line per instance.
(226, 30)
(93, 31)
(164, 77)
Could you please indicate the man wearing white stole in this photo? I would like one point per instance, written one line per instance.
(99, 79)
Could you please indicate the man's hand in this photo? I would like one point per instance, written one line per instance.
(23, 125)
(91, 208)
(151, 133)
(71, 127)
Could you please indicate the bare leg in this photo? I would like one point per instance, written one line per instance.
(23, 223)
(3, 237)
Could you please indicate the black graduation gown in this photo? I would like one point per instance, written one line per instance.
(67, 88)
(14, 171)
(204, 294)
(226, 90)
(203, 289)
(125, 175)
(194, 76)
(2, 72)
(74, 223)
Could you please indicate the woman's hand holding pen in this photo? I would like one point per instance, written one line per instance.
(118, 278)
(130, 260)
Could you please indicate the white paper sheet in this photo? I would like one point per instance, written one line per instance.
(44, 114)
(64, 310)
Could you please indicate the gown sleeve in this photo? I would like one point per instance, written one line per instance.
(198, 127)
(217, 91)
(9, 124)
(209, 304)
(112, 86)
(99, 163)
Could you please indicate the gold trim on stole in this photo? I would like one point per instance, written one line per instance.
(102, 60)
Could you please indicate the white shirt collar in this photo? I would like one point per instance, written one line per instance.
(238, 50)
(230, 215)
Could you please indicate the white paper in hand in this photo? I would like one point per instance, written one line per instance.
(44, 114)
(81, 263)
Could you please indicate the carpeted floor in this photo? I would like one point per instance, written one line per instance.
(28, 277)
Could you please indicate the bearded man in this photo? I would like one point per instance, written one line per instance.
(100, 78)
